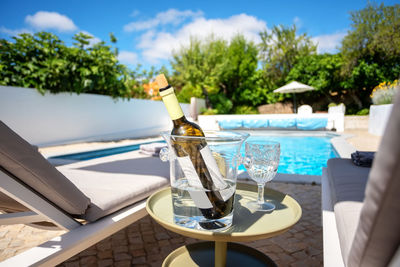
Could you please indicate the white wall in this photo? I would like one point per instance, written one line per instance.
(66, 118)
(378, 117)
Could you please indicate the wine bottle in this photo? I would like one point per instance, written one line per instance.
(196, 160)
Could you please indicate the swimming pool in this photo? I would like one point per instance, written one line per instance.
(305, 155)
(300, 154)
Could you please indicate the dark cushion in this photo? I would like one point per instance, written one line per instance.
(347, 181)
(20, 159)
(378, 234)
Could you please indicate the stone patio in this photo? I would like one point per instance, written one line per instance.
(145, 243)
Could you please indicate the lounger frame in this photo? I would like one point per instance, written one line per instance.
(331, 246)
(78, 238)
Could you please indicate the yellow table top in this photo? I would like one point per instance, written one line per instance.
(247, 225)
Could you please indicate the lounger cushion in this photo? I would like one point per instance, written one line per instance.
(311, 123)
(378, 234)
(115, 182)
(347, 182)
(255, 123)
(20, 159)
(347, 214)
(230, 124)
(282, 123)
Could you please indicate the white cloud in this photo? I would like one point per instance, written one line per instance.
(135, 13)
(329, 43)
(127, 57)
(298, 22)
(159, 45)
(171, 16)
(50, 20)
(14, 32)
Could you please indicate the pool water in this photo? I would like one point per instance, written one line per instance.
(300, 154)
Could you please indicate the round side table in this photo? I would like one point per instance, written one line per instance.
(247, 226)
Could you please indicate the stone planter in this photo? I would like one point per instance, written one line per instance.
(378, 117)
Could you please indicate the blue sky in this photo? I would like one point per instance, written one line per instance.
(148, 31)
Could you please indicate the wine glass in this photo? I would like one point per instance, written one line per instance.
(261, 161)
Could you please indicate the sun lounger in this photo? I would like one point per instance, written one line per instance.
(361, 206)
(92, 199)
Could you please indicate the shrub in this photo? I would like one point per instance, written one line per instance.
(364, 111)
(44, 62)
(205, 111)
(385, 92)
(332, 105)
(245, 110)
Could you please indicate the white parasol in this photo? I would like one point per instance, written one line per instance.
(294, 87)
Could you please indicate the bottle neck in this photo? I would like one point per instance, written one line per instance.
(179, 121)
(172, 104)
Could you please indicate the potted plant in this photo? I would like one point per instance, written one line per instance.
(382, 98)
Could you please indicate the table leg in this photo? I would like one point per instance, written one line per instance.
(220, 254)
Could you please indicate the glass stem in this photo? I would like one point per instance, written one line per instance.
(260, 197)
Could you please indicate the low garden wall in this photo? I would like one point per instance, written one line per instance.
(62, 118)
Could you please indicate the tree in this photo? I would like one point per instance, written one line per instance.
(281, 49)
(239, 79)
(198, 68)
(224, 73)
(371, 50)
(44, 62)
(321, 72)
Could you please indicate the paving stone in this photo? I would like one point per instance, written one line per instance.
(88, 261)
(105, 263)
(122, 257)
(138, 252)
(120, 249)
(125, 263)
(135, 240)
(3, 233)
(139, 260)
(104, 254)
(72, 264)
(161, 236)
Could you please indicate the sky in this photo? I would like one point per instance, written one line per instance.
(149, 31)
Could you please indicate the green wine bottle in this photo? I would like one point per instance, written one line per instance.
(196, 160)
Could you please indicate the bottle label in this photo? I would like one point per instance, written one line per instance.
(199, 197)
(172, 104)
(212, 166)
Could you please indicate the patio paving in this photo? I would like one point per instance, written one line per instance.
(145, 243)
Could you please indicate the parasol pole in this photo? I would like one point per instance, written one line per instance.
(294, 106)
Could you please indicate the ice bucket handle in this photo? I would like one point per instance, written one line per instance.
(166, 154)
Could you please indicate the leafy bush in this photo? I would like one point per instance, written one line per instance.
(385, 92)
(245, 110)
(44, 62)
(332, 105)
(205, 111)
(364, 111)
(221, 103)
